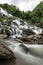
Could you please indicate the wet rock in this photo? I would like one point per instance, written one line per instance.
(7, 32)
(24, 48)
(35, 38)
(18, 40)
(41, 33)
(40, 43)
(39, 36)
(2, 36)
(27, 38)
(6, 53)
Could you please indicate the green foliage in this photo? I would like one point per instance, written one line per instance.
(36, 16)
(8, 8)
(2, 18)
(41, 20)
(37, 13)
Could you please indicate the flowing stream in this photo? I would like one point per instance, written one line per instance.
(26, 54)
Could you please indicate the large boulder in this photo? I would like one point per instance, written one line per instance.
(5, 52)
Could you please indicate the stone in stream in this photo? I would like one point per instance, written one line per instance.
(27, 38)
(7, 57)
(2, 36)
(24, 48)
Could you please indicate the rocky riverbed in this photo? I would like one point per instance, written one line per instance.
(28, 39)
(25, 54)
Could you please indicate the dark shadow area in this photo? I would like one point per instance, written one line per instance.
(7, 62)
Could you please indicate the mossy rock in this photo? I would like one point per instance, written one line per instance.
(27, 38)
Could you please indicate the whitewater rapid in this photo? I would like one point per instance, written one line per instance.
(33, 56)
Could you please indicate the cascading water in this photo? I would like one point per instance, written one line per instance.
(35, 29)
(17, 27)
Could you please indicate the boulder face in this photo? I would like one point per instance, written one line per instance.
(6, 53)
